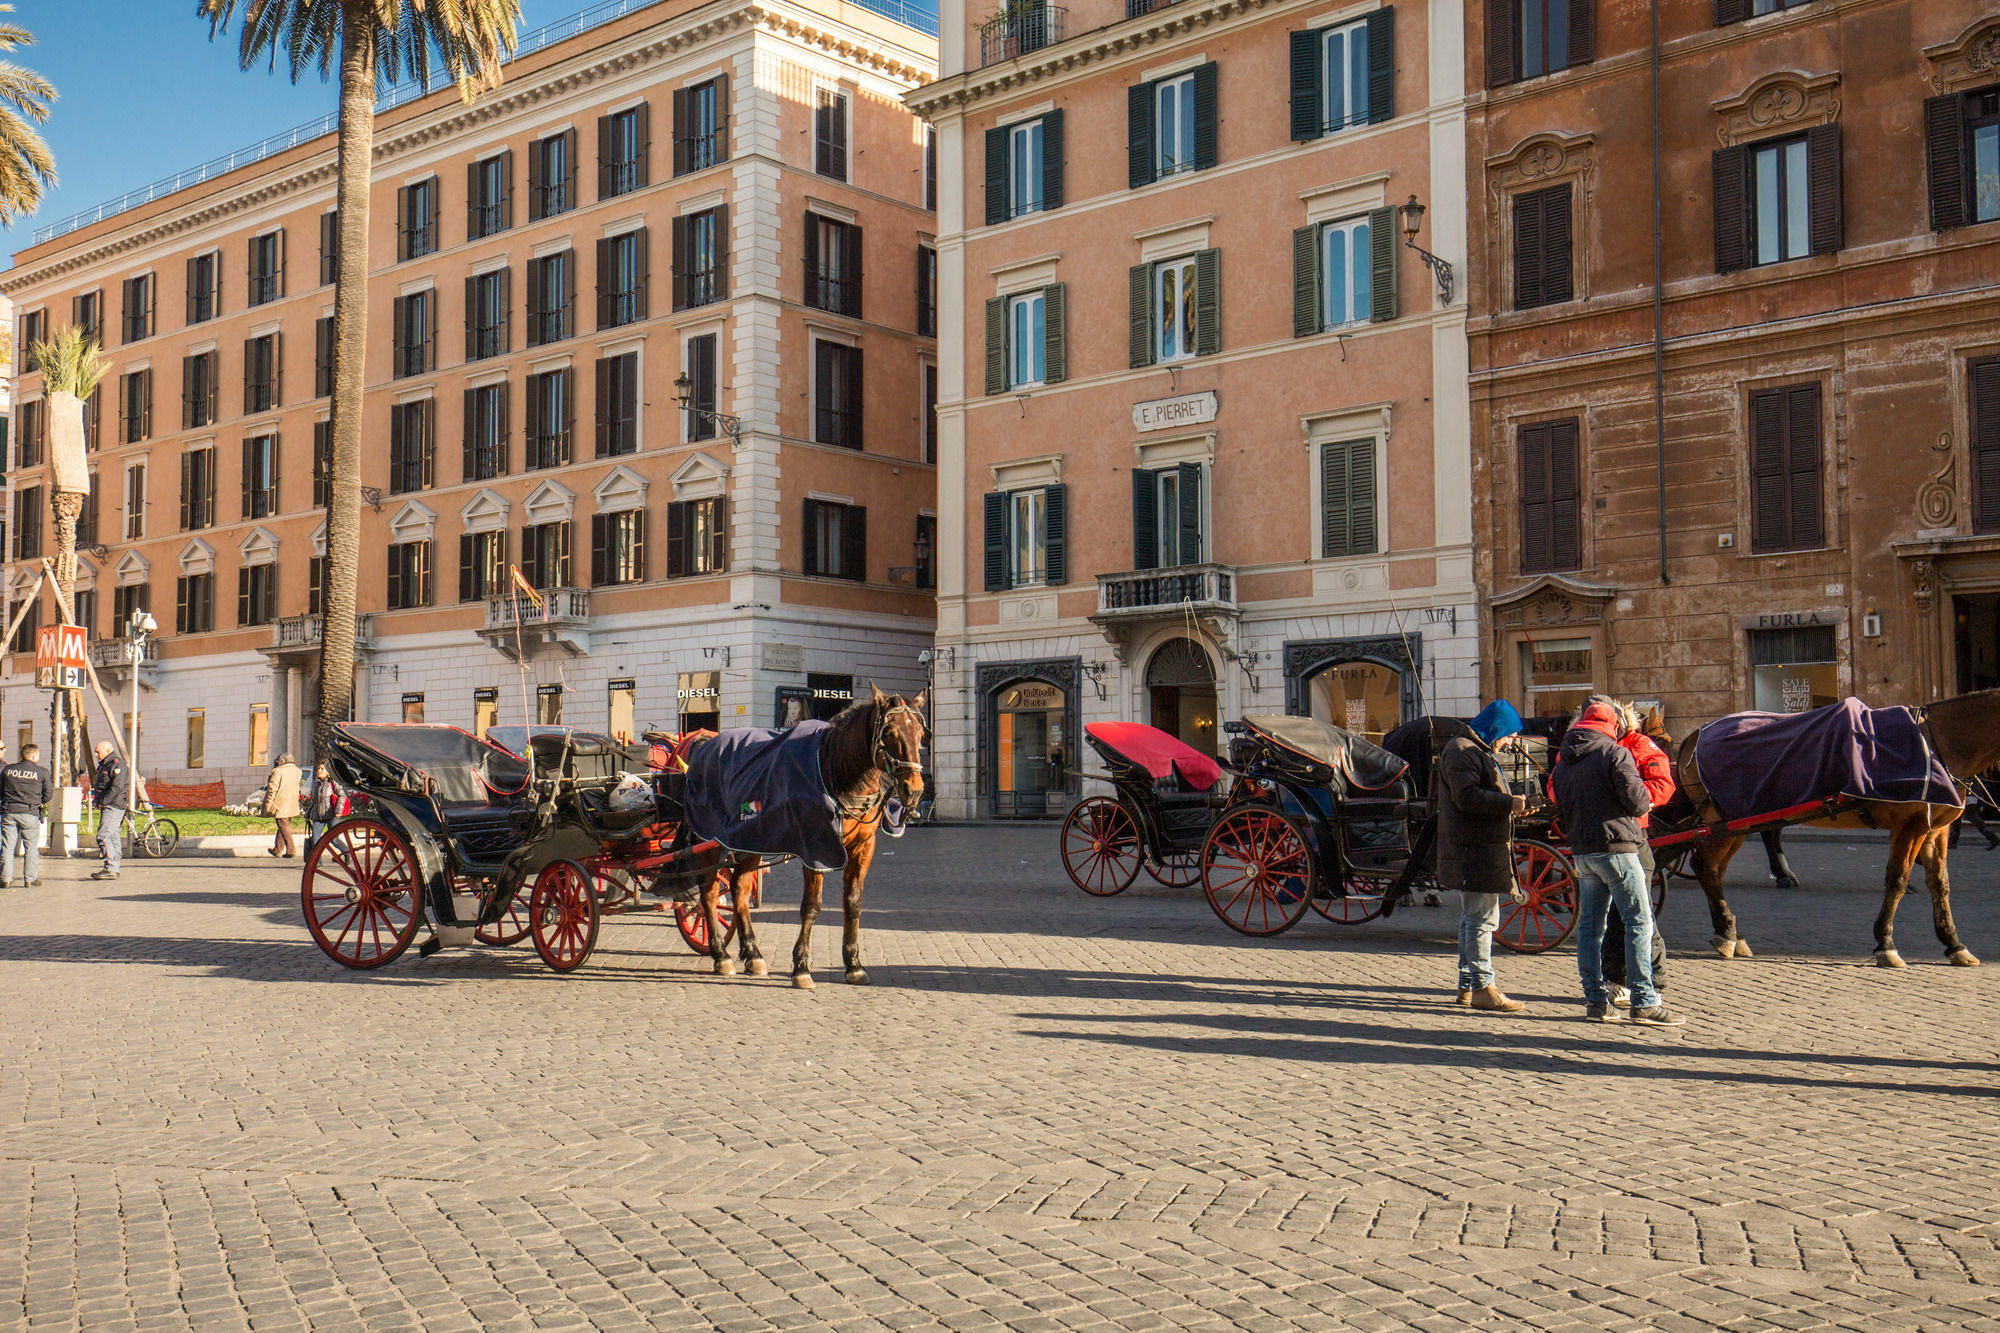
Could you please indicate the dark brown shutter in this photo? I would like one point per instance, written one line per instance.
(1582, 31)
(249, 376)
(603, 406)
(718, 535)
(814, 296)
(466, 558)
(605, 294)
(472, 232)
(1824, 215)
(679, 242)
(1731, 11)
(1944, 158)
(1565, 536)
(1139, 135)
(1502, 54)
(677, 537)
(599, 566)
(854, 542)
(1536, 526)
(249, 472)
(187, 493)
(472, 318)
(850, 263)
(192, 292)
(1308, 120)
(1052, 159)
(680, 131)
(1769, 508)
(721, 82)
(402, 223)
(470, 462)
(1732, 213)
(998, 200)
(809, 529)
(536, 156)
(642, 275)
(277, 369)
(1802, 465)
(606, 170)
(1558, 259)
(1984, 393)
(214, 384)
(1528, 242)
(1145, 519)
(642, 145)
(145, 405)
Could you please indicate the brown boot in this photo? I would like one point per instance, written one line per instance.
(1494, 1000)
(1464, 998)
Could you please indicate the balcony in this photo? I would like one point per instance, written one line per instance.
(519, 629)
(1020, 28)
(112, 659)
(1150, 593)
(299, 636)
(1134, 8)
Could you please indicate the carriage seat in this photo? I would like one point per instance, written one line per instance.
(482, 831)
(614, 823)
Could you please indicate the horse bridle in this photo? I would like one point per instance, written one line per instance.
(896, 770)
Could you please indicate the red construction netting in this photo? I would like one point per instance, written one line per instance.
(187, 796)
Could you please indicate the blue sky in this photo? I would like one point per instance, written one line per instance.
(144, 94)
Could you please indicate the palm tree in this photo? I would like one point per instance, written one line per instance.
(26, 164)
(367, 39)
(72, 365)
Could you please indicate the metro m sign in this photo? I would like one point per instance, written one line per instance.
(59, 657)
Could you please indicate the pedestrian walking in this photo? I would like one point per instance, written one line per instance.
(281, 803)
(1657, 772)
(25, 789)
(1599, 798)
(111, 793)
(325, 803)
(1476, 847)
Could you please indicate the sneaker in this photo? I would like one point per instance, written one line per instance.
(34, 884)
(1621, 998)
(1659, 1016)
(1601, 1013)
(105, 874)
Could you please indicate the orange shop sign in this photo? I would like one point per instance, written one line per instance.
(59, 653)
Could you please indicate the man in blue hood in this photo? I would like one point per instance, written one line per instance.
(1476, 845)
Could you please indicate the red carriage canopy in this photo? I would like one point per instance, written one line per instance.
(1157, 752)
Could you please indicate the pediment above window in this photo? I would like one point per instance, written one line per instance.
(86, 574)
(1968, 60)
(700, 477)
(1543, 159)
(485, 512)
(550, 503)
(133, 569)
(621, 489)
(414, 522)
(197, 557)
(319, 540)
(1787, 100)
(259, 548)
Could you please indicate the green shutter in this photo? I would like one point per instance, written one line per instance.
(1361, 497)
(1145, 520)
(1333, 492)
(1142, 315)
(1382, 264)
(1208, 302)
(1055, 347)
(1305, 281)
(995, 505)
(996, 345)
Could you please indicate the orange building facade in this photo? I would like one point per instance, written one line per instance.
(648, 323)
(1203, 430)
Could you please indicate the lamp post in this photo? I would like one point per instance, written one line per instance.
(1413, 219)
(140, 625)
(684, 395)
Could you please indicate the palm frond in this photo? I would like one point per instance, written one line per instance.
(27, 90)
(471, 39)
(71, 362)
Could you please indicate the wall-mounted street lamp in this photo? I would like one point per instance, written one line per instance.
(1413, 220)
(137, 627)
(722, 421)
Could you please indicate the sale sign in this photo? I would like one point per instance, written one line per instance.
(59, 657)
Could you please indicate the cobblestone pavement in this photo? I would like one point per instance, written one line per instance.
(1050, 1112)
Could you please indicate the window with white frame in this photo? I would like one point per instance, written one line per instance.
(1024, 168)
(1779, 225)
(1345, 266)
(1344, 76)
(1026, 333)
(1028, 536)
(1173, 125)
(1169, 501)
(1173, 308)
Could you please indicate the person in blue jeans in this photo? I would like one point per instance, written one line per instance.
(1600, 800)
(1475, 843)
(25, 789)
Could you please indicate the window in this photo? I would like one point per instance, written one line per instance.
(486, 432)
(1526, 39)
(413, 708)
(1027, 318)
(316, 585)
(417, 220)
(322, 463)
(700, 125)
(1785, 469)
(1983, 398)
(1346, 75)
(833, 265)
(135, 502)
(488, 314)
(86, 312)
(1962, 151)
(697, 537)
(930, 420)
(1551, 505)
(199, 385)
(409, 575)
(551, 290)
(622, 140)
(256, 594)
(701, 258)
(621, 709)
(414, 321)
(1778, 199)
(34, 424)
(135, 407)
(548, 705)
(197, 746)
(618, 405)
(930, 168)
(830, 134)
(260, 476)
(34, 329)
(84, 602)
(1024, 539)
(1347, 499)
(1346, 267)
(482, 565)
(545, 554)
(551, 175)
(412, 450)
(323, 357)
(24, 642)
(551, 417)
(618, 548)
(194, 604)
(836, 540)
(925, 550)
(1735, 11)
(262, 390)
(267, 267)
(1175, 310)
(127, 599)
(1024, 168)
(204, 288)
(836, 394)
(1794, 670)
(86, 521)
(1543, 261)
(621, 279)
(92, 409)
(489, 196)
(698, 360)
(1171, 126)
(27, 522)
(197, 489)
(138, 316)
(329, 246)
(927, 272)
(1167, 516)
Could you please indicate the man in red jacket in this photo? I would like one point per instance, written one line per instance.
(1657, 772)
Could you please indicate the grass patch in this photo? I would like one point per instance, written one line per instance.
(211, 823)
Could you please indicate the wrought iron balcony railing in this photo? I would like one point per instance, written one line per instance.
(1019, 29)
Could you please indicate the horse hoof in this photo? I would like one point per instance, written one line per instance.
(1962, 958)
(725, 968)
(1723, 946)
(1888, 958)
(755, 967)
(1743, 949)
(802, 981)
(858, 977)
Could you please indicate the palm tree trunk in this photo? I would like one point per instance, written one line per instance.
(68, 756)
(350, 342)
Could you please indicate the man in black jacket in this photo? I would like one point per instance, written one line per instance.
(1600, 799)
(111, 793)
(25, 789)
(1476, 847)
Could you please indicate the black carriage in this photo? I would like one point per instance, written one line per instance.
(1166, 796)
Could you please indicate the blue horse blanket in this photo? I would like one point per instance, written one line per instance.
(760, 791)
(1755, 763)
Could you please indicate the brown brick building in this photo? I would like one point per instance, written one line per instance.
(1770, 476)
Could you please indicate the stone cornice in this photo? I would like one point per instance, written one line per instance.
(453, 117)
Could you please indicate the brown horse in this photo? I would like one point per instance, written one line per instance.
(872, 751)
(1965, 733)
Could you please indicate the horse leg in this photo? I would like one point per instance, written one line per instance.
(1711, 863)
(718, 952)
(740, 881)
(850, 910)
(802, 952)
(1903, 845)
(1934, 853)
(1774, 853)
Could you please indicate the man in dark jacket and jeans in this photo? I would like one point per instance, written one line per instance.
(111, 793)
(1476, 846)
(25, 789)
(1600, 799)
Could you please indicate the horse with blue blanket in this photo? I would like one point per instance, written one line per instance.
(820, 791)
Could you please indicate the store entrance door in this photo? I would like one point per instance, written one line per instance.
(1976, 628)
(1181, 686)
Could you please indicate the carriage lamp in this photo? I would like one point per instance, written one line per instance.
(1413, 221)
(722, 421)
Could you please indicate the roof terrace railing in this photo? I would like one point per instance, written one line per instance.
(909, 15)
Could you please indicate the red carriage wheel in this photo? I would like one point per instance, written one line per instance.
(1549, 915)
(1362, 903)
(562, 915)
(694, 926)
(1177, 870)
(360, 894)
(511, 928)
(1101, 847)
(1257, 870)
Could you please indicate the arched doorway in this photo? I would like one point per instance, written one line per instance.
(1181, 683)
(1359, 696)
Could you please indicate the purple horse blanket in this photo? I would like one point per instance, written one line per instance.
(1756, 763)
(761, 791)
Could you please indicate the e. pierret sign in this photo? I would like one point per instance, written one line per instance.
(1188, 409)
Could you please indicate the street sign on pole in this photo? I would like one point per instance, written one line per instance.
(59, 657)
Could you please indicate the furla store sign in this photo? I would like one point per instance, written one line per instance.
(1188, 409)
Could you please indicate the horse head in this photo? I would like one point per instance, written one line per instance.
(900, 733)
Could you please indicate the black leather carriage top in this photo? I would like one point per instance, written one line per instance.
(1356, 764)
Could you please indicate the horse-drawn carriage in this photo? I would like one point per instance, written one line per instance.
(1166, 795)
